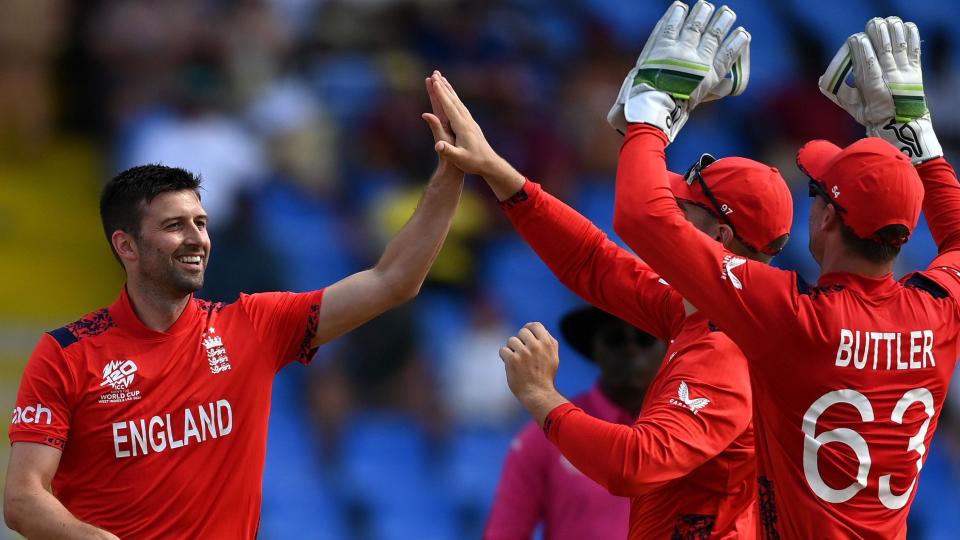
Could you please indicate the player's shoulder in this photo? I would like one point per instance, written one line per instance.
(209, 306)
(937, 283)
(715, 339)
(805, 289)
(211, 311)
(712, 356)
(93, 325)
(266, 298)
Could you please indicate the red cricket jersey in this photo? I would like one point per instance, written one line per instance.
(688, 462)
(849, 376)
(164, 434)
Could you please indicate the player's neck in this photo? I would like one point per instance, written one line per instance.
(842, 261)
(156, 310)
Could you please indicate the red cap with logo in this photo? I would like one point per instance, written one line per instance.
(751, 197)
(871, 183)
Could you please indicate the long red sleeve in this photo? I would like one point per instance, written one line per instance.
(668, 441)
(747, 299)
(941, 203)
(591, 265)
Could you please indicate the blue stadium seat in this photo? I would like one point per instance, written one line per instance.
(317, 255)
(833, 22)
(707, 132)
(299, 500)
(440, 313)
(302, 513)
(384, 457)
(471, 472)
(933, 14)
(473, 463)
(423, 515)
(919, 251)
(769, 49)
(594, 199)
(349, 83)
(521, 283)
(933, 515)
(629, 21)
(528, 291)
(386, 473)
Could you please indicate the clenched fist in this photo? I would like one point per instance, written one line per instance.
(531, 359)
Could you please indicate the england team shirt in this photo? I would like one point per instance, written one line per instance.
(687, 463)
(164, 434)
(849, 375)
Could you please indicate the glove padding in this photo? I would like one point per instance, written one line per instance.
(685, 62)
(876, 77)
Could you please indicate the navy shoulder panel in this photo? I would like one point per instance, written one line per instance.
(815, 291)
(208, 306)
(91, 325)
(927, 285)
(63, 337)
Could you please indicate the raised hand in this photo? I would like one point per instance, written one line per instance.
(531, 359)
(466, 148)
(688, 59)
(876, 77)
(437, 119)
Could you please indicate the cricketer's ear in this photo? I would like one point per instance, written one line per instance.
(124, 245)
(724, 235)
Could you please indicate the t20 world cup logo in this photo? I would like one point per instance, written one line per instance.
(119, 374)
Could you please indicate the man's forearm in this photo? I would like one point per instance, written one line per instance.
(591, 265)
(540, 403)
(503, 179)
(409, 256)
(41, 516)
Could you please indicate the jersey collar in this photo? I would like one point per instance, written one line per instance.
(123, 314)
(868, 286)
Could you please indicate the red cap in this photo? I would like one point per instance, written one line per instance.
(873, 183)
(753, 196)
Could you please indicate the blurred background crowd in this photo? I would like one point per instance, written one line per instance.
(303, 118)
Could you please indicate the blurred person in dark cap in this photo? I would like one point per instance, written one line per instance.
(538, 485)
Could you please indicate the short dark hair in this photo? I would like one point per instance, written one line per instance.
(882, 248)
(124, 197)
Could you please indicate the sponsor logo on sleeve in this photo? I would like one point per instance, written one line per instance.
(683, 399)
(729, 263)
(33, 414)
(119, 375)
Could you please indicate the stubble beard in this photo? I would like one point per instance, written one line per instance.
(186, 283)
(165, 276)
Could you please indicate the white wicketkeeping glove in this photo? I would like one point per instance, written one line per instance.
(685, 62)
(876, 77)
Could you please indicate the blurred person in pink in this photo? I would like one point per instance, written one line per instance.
(538, 485)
